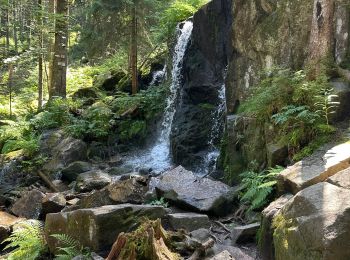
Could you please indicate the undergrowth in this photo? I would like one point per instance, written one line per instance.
(256, 188)
(299, 108)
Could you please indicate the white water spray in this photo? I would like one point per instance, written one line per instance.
(158, 156)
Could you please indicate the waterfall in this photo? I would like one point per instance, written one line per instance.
(213, 152)
(158, 156)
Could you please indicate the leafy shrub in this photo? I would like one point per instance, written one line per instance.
(297, 106)
(257, 187)
(95, 122)
(178, 11)
(130, 129)
(69, 248)
(18, 136)
(28, 241)
(56, 114)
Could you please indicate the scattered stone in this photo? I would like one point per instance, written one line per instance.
(188, 221)
(98, 228)
(131, 190)
(61, 186)
(314, 224)
(235, 252)
(6, 223)
(29, 205)
(73, 202)
(314, 169)
(72, 171)
(341, 179)
(52, 203)
(224, 255)
(267, 250)
(92, 180)
(244, 234)
(201, 234)
(202, 194)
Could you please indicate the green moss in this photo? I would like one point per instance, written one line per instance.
(288, 242)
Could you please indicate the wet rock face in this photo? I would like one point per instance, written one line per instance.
(184, 189)
(265, 33)
(98, 228)
(203, 74)
(315, 224)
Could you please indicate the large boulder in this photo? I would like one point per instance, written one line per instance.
(314, 224)
(317, 168)
(92, 180)
(98, 228)
(29, 205)
(62, 150)
(6, 223)
(185, 189)
(130, 190)
(266, 247)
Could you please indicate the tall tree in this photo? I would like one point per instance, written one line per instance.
(133, 60)
(59, 64)
(40, 54)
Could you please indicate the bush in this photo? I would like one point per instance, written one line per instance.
(297, 106)
(95, 122)
(18, 136)
(257, 187)
(178, 11)
(56, 114)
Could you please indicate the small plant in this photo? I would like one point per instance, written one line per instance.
(160, 202)
(28, 241)
(257, 187)
(327, 105)
(70, 248)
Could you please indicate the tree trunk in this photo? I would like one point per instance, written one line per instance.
(7, 48)
(9, 85)
(322, 34)
(51, 11)
(59, 64)
(134, 76)
(40, 55)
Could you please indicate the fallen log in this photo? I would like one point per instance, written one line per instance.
(48, 182)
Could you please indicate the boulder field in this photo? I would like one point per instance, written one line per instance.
(314, 223)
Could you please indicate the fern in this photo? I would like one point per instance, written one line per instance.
(257, 187)
(69, 247)
(28, 241)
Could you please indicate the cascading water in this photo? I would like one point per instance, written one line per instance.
(213, 153)
(158, 156)
(158, 77)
